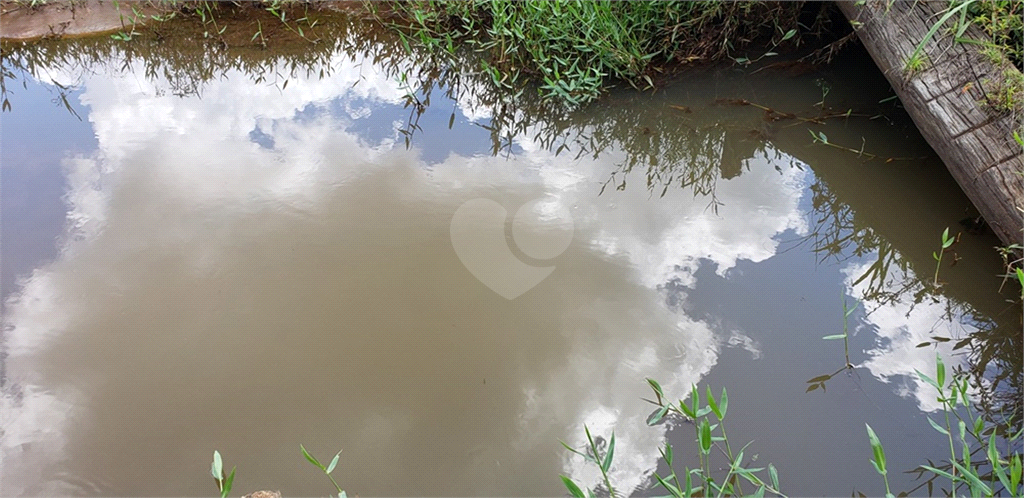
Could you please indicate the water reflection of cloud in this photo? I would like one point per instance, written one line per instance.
(900, 326)
(181, 179)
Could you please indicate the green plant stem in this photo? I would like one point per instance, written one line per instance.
(949, 429)
(721, 425)
(867, 154)
(336, 486)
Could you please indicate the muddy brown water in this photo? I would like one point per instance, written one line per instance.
(246, 266)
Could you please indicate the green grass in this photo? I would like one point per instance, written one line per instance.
(845, 336)
(1003, 21)
(224, 484)
(711, 477)
(947, 242)
(573, 49)
(1005, 92)
(917, 59)
(980, 468)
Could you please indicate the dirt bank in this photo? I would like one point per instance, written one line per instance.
(23, 22)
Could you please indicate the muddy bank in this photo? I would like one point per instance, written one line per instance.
(23, 22)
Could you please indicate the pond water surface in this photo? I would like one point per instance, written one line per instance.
(271, 255)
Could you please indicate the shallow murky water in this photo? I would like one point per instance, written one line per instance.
(243, 264)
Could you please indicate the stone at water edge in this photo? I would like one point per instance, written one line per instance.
(263, 494)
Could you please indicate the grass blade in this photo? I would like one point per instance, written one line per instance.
(309, 457)
(607, 463)
(937, 426)
(574, 490)
(879, 451)
(227, 484)
(334, 463)
(217, 467)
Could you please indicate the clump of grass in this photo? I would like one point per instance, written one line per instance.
(1003, 20)
(712, 440)
(916, 60)
(221, 21)
(571, 48)
(962, 472)
(1012, 262)
(916, 63)
(224, 484)
(994, 473)
(1005, 92)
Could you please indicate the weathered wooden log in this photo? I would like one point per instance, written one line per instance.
(951, 99)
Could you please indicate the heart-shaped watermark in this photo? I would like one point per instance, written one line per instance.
(541, 229)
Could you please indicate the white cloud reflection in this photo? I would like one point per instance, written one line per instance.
(900, 326)
(181, 175)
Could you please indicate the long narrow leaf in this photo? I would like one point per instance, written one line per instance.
(713, 404)
(309, 457)
(705, 436)
(879, 451)
(585, 456)
(668, 486)
(574, 490)
(228, 483)
(937, 426)
(935, 27)
(940, 370)
(972, 478)
(607, 463)
(942, 473)
(334, 463)
(927, 379)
